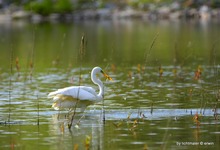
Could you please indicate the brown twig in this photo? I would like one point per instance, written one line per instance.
(82, 53)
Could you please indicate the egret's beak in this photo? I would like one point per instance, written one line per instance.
(106, 76)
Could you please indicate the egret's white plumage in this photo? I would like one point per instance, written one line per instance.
(82, 95)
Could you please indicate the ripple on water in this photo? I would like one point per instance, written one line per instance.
(217, 132)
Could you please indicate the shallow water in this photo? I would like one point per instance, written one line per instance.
(144, 108)
(156, 112)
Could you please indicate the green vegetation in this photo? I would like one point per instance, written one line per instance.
(46, 7)
(63, 6)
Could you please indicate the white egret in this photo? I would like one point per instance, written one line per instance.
(83, 96)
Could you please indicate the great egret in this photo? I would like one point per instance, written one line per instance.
(81, 95)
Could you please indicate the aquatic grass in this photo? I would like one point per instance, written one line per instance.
(133, 125)
(10, 84)
(148, 51)
(138, 77)
(216, 79)
(31, 64)
(200, 90)
(57, 61)
(166, 135)
(17, 66)
(38, 111)
(81, 55)
(200, 94)
(147, 55)
(28, 73)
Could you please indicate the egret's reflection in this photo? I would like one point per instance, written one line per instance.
(86, 132)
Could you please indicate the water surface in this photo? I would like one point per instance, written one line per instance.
(156, 100)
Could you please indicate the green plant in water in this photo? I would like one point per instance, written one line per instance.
(44, 7)
(63, 6)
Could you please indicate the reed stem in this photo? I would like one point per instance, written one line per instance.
(82, 53)
(10, 85)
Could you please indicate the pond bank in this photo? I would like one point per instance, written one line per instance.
(160, 13)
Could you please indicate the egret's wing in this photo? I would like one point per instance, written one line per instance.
(77, 92)
(88, 89)
(67, 97)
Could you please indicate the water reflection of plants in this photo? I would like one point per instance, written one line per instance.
(151, 86)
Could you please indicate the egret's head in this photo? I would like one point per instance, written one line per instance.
(99, 70)
(106, 76)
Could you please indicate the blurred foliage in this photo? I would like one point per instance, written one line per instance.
(63, 6)
(46, 7)
(136, 3)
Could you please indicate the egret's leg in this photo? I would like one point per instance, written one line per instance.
(83, 115)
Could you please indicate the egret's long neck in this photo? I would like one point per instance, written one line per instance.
(95, 80)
